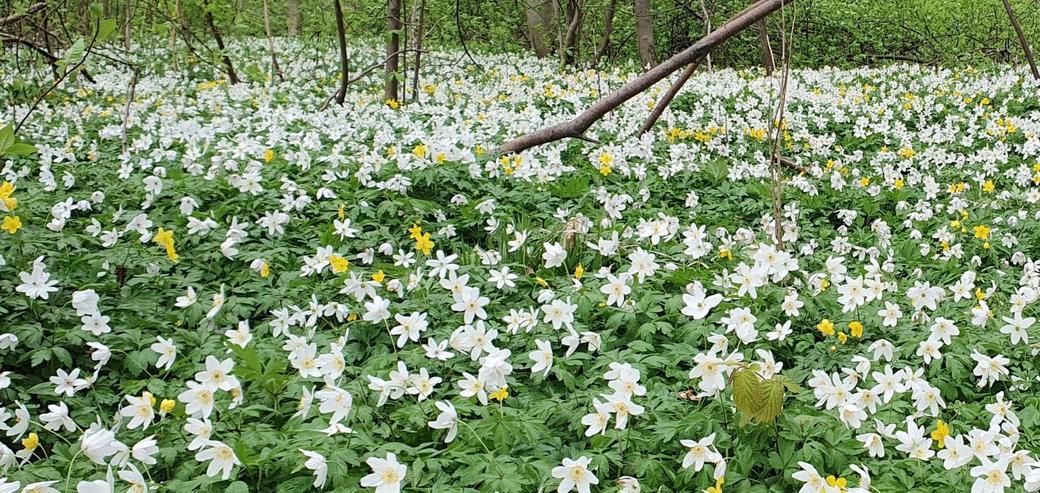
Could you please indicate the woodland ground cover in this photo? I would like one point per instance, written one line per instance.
(232, 289)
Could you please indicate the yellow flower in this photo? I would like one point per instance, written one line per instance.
(415, 232)
(980, 294)
(842, 338)
(856, 329)
(981, 232)
(906, 153)
(718, 486)
(424, 244)
(31, 442)
(942, 430)
(11, 224)
(500, 394)
(826, 327)
(725, 253)
(393, 104)
(988, 186)
(269, 155)
(167, 405)
(579, 271)
(824, 284)
(352, 317)
(541, 282)
(341, 213)
(164, 238)
(899, 184)
(863, 182)
(339, 264)
(605, 170)
(419, 151)
(265, 270)
(378, 277)
(839, 483)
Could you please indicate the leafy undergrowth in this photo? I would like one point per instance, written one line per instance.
(257, 295)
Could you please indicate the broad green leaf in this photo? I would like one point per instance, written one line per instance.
(105, 29)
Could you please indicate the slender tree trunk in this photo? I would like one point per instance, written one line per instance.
(294, 20)
(1022, 40)
(393, 47)
(344, 68)
(538, 25)
(608, 29)
(707, 29)
(418, 24)
(275, 70)
(212, 25)
(126, 26)
(575, 15)
(767, 50)
(406, 39)
(644, 32)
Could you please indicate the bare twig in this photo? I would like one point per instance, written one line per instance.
(126, 111)
(83, 59)
(13, 18)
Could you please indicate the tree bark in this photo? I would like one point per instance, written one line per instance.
(294, 20)
(571, 42)
(393, 47)
(608, 29)
(669, 96)
(707, 29)
(1022, 40)
(275, 70)
(212, 25)
(341, 35)
(767, 50)
(418, 24)
(576, 127)
(644, 32)
(538, 21)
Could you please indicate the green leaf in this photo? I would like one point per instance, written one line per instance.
(746, 391)
(74, 54)
(237, 487)
(6, 139)
(19, 149)
(772, 400)
(105, 29)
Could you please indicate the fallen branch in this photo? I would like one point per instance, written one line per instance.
(668, 97)
(34, 8)
(578, 125)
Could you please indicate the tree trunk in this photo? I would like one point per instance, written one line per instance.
(275, 70)
(538, 25)
(393, 48)
(707, 29)
(418, 24)
(294, 20)
(1022, 40)
(341, 35)
(572, 40)
(608, 29)
(212, 25)
(767, 49)
(644, 32)
(576, 127)
(126, 27)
